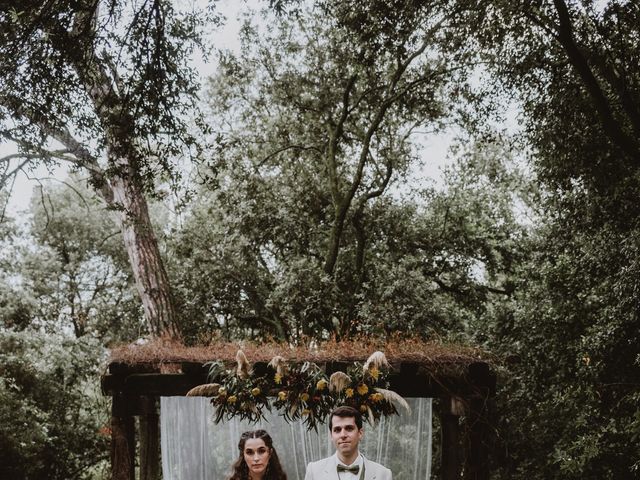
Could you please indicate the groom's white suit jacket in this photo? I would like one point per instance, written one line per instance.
(327, 469)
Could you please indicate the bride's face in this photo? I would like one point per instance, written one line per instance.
(256, 454)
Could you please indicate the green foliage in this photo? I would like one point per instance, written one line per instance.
(430, 263)
(52, 417)
(570, 399)
(69, 270)
(58, 56)
(301, 234)
(573, 331)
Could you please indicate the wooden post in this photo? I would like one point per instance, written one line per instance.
(123, 439)
(478, 437)
(477, 442)
(451, 449)
(149, 439)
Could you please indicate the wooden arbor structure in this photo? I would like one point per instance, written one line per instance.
(461, 381)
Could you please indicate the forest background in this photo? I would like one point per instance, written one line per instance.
(286, 197)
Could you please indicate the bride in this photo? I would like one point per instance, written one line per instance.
(258, 459)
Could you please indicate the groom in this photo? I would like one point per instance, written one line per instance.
(345, 426)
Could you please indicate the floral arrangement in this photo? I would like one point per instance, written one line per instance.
(237, 393)
(302, 391)
(365, 388)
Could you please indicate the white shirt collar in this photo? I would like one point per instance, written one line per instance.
(358, 461)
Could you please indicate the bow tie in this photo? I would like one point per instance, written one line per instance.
(353, 469)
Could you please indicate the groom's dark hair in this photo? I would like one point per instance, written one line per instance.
(346, 412)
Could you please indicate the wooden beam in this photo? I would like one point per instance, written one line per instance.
(152, 384)
(407, 379)
(123, 439)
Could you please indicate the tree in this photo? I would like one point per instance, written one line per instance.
(69, 270)
(572, 328)
(576, 51)
(326, 127)
(104, 86)
(434, 261)
(355, 109)
(53, 419)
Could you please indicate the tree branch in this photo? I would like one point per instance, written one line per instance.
(284, 149)
(12, 173)
(334, 137)
(609, 124)
(84, 159)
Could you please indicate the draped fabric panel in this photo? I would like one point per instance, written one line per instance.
(194, 448)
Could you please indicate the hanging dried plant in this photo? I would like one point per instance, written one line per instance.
(302, 390)
(242, 370)
(392, 397)
(376, 362)
(339, 381)
(206, 390)
(279, 364)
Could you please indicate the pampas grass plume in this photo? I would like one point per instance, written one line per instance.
(243, 365)
(279, 364)
(338, 381)
(372, 419)
(393, 397)
(205, 390)
(376, 360)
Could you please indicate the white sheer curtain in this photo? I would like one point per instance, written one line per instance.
(194, 448)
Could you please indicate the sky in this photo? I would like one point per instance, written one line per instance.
(434, 148)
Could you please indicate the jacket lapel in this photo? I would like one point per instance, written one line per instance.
(330, 467)
(370, 472)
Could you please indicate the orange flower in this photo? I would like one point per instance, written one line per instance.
(349, 392)
(277, 378)
(321, 385)
(232, 399)
(376, 397)
(363, 389)
(282, 395)
(255, 391)
(304, 396)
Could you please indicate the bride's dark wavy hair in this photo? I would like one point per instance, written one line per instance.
(240, 469)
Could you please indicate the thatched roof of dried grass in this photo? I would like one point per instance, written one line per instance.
(163, 351)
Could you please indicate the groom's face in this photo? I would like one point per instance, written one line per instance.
(345, 435)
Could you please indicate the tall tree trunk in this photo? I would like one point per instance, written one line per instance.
(124, 190)
(150, 276)
(335, 236)
(125, 196)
